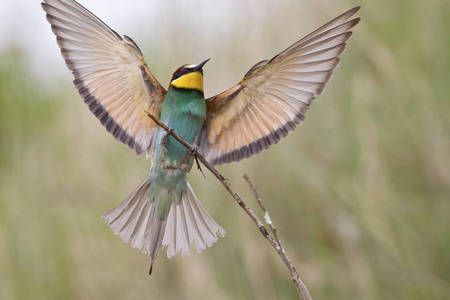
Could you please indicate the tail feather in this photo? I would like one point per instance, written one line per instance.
(189, 222)
(155, 237)
(124, 219)
(134, 220)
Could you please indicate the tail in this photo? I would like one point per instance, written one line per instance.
(137, 223)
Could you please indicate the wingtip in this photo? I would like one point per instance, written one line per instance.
(353, 11)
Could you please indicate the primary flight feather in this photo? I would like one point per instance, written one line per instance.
(113, 79)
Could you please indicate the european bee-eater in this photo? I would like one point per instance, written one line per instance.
(264, 107)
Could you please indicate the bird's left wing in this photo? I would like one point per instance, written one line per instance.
(110, 74)
(273, 97)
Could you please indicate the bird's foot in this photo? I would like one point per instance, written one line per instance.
(166, 135)
(193, 152)
(169, 131)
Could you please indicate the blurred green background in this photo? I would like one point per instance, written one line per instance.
(360, 193)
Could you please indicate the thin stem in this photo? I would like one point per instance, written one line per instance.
(273, 239)
(301, 287)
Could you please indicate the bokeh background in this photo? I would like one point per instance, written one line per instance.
(360, 193)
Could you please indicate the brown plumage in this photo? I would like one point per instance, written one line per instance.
(274, 96)
(271, 100)
(113, 79)
(110, 74)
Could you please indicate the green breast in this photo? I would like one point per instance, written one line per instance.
(185, 112)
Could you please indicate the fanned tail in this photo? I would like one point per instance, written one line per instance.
(136, 222)
(188, 222)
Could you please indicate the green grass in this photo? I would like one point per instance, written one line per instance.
(360, 193)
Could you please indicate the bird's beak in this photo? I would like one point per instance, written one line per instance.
(200, 65)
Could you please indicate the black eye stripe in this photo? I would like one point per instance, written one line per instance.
(181, 72)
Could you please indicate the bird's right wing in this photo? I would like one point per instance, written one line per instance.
(110, 74)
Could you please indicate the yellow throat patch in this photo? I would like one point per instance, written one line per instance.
(192, 81)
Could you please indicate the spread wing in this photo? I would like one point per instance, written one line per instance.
(273, 97)
(110, 74)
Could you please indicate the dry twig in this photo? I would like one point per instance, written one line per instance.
(301, 287)
(272, 238)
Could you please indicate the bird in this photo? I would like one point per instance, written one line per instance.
(113, 78)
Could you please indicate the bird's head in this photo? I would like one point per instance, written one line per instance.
(189, 77)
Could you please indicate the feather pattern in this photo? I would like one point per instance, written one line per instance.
(110, 74)
(188, 222)
(274, 96)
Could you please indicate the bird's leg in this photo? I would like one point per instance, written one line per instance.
(166, 135)
(193, 153)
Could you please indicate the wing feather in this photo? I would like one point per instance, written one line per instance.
(274, 96)
(110, 73)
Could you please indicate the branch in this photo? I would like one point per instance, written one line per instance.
(273, 239)
(301, 287)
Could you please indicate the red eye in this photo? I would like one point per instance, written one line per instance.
(184, 71)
